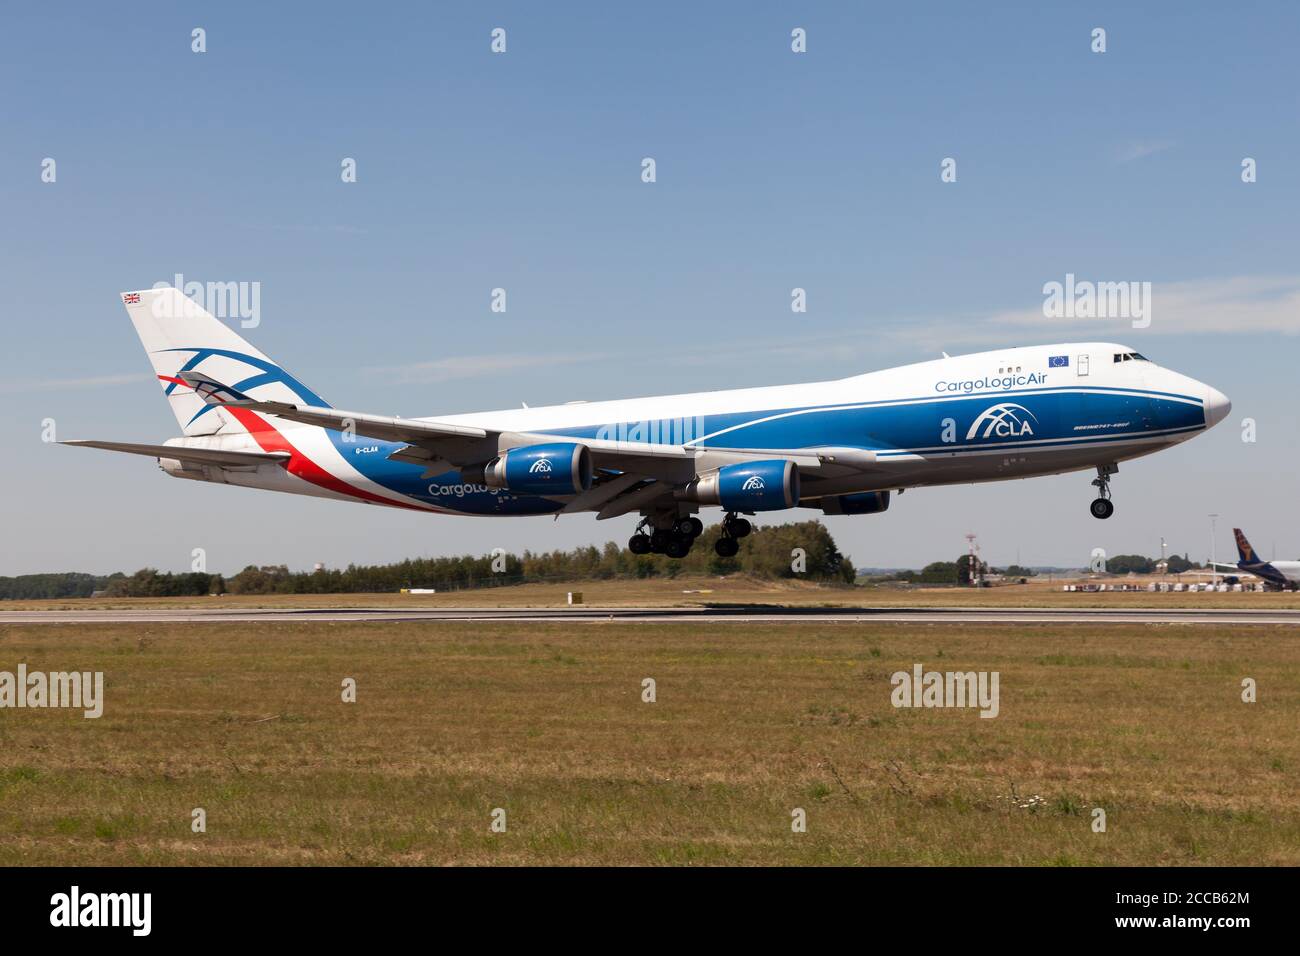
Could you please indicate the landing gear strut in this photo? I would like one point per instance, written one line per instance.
(733, 529)
(1102, 506)
(641, 542)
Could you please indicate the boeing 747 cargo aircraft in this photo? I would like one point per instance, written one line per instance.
(839, 446)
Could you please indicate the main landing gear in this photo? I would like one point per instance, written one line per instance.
(733, 529)
(1102, 506)
(674, 541)
(675, 536)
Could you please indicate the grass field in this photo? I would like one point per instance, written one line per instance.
(695, 591)
(547, 722)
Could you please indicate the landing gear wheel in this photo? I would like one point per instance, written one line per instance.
(726, 547)
(689, 527)
(639, 544)
(1102, 507)
(659, 540)
(738, 527)
(678, 547)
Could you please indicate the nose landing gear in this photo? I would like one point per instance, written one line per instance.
(1102, 506)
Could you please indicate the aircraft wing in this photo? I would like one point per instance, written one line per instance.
(630, 475)
(384, 427)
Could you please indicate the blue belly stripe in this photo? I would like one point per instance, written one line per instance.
(1027, 420)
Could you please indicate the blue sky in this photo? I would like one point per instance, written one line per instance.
(522, 171)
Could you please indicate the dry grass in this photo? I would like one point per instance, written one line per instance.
(546, 721)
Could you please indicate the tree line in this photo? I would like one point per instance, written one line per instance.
(805, 550)
(1138, 564)
(958, 572)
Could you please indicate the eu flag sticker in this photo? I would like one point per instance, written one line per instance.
(1058, 361)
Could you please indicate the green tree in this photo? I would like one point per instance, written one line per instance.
(1130, 563)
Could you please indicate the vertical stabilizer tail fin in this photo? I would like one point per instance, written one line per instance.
(179, 335)
(1245, 553)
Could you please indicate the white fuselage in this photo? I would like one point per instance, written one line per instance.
(1009, 413)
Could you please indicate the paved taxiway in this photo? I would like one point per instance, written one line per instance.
(720, 614)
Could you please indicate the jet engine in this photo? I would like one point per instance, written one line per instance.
(748, 486)
(563, 468)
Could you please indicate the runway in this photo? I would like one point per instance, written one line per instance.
(717, 614)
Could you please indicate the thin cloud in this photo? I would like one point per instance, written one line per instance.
(322, 228)
(66, 384)
(474, 366)
(1141, 149)
(1238, 304)
(1246, 305)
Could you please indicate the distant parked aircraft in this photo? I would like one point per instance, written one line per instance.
(1277, 575)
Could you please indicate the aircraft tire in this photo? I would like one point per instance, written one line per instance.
(678, 547)
(739, 527)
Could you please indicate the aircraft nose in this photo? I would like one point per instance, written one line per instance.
(1217, 406)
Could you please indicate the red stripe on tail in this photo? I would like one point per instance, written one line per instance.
(300, 466)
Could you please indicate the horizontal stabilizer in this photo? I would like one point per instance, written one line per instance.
(203, 456)
(209, 389)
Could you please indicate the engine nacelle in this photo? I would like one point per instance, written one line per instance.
(563, 468)
(863, 503)
(748, 486)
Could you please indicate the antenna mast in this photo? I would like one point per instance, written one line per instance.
(973, 561)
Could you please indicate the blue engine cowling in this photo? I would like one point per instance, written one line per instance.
(863, 503)
(563, 468)
(750, 486)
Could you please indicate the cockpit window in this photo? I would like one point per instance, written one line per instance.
(1130, 357)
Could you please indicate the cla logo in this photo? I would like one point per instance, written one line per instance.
(541, 466)
(753, 483)
(1006, 420)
